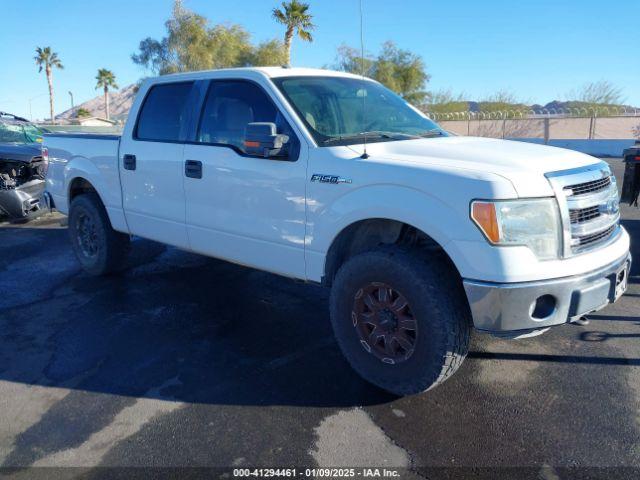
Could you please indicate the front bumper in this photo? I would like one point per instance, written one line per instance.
(518, 309)
(22, 201)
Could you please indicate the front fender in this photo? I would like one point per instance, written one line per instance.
(442, 221)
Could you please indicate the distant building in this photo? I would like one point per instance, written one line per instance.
(84, 124)
(93, 122)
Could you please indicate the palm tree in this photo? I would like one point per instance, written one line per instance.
(295, 16)
(106, 79)
(48, 60)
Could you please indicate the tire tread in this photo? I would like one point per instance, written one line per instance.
(116, 244)
(450, 313)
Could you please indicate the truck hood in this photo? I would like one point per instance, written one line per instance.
(523, 164)
(17, 152)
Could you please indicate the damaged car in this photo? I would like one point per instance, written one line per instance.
(23, 166)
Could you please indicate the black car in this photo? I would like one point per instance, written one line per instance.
(23, 165)
(631, 183)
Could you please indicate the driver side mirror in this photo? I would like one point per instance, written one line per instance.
(261, 138)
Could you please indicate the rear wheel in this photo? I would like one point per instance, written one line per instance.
(98, 247)
(401, 321)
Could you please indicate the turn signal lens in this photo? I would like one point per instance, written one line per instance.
(484, 214)
(532, 223)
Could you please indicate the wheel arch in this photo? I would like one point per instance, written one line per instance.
(78, 186)
(370, 233)
(82, 175)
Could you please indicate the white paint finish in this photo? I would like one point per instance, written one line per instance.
(519, 264)
(153, 193)
(523, 164)
(95, 160)
(350, 438)
(118, 219)
(247, 210)
(501, 157)
(406, 190)
(251, 72)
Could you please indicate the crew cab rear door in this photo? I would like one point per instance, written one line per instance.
(151, 162)
(243, 208)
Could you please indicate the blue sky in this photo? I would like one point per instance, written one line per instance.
(539, 50)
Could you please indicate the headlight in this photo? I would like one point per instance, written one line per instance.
(531, 223)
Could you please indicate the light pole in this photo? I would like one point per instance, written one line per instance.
(33, 98)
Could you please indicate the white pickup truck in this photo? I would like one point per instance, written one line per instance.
(331, 178)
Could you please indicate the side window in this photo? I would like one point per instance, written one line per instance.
(230, 106)
(163, 114)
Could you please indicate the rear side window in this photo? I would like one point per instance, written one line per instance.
(164, 112)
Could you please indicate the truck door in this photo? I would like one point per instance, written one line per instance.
(239, 207)
(151, 167)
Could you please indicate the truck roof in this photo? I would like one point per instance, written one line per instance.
(249, 72)
(300, 71)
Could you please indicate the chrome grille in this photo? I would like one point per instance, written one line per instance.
(593, 186)
(595, 237)
(581, 215)
(588, 201)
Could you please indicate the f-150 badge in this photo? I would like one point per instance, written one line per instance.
(319, 177)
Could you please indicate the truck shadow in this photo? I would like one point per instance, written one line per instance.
(595, 336)
(616, 318)
(534, 357)
(176, 326)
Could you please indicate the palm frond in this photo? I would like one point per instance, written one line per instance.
(294, 14)
(106, 79)
(279, 16)
(45, 58)
(305, 35)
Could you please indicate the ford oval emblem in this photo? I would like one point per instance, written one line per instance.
(610, 208)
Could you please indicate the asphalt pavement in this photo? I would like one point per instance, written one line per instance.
(186, 361)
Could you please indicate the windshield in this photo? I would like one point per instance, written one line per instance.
(332, 109)
(11, 132)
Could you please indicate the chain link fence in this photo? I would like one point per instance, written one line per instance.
(545, 124)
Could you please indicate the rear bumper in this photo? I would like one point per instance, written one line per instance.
(518, 309)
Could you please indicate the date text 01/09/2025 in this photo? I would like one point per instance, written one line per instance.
(316, 472)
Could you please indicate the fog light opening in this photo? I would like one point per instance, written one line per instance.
(543, 307)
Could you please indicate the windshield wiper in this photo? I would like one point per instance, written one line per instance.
(434, 132)
(370, 135)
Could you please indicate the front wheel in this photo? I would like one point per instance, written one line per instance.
(401, 321)
(98, 247)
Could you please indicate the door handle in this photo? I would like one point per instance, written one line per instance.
(129, 161)
(193, 169)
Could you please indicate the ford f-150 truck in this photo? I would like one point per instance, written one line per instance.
(332, 178)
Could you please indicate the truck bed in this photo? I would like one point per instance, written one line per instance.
(72, 153)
